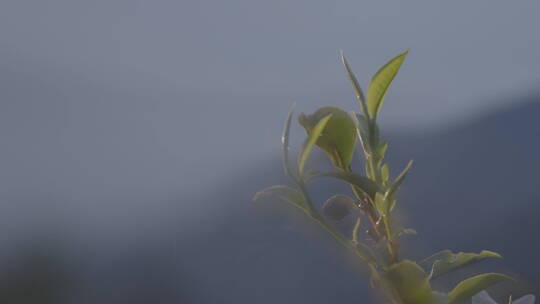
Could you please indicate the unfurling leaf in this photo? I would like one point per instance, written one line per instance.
(450, 261)
(410, 282)
(469, 287)
(381, 204)
(338, 207)
(381, 82)
(362, 130)
(285, 193)
(362, 183)
(385, 172)
(338, 139)
(285, 143)
(397, 182)
(355, 84)
(313, 137)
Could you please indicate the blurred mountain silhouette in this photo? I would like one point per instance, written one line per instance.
(474, 187)
(118, 192)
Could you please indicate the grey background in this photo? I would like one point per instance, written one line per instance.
(135, 132)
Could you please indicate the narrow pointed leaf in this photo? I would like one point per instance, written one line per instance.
(385, 172)
(381, 82)
(310, 142)
(355, 84)
(469, 287)
(285, 143)
(397, 182)
(381, 204)
(362, 130)
(284, 193)
(427, 263)
(456, 261)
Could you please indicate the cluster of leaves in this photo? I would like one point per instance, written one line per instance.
(338, 133)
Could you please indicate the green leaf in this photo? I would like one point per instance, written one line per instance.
(385, 172)
(455, 261)
(381, 82)
(381, 204)
(355, 84)
(410, 282)
(397, 182)
(362, 183)
(381, 150)
(338, 207)
(362, 129)
(285, 143)
(284, 193)
(427, 263)
(469, 287)
(310, 142)
(339, 137)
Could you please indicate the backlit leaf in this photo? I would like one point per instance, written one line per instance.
(381, 82)
(469, 287)
(355, 84)
(313, 136)
(397, 182)
(456, 261)
(285, 143)
(338, 140)
(410, 282)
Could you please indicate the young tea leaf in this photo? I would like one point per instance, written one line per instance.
(355, 84)
(397, 182)
(427, 263)
(381, 82)
(411, 283)
(285, 143)
(456, 261)
(469, 287)
(362, 130)
(338, 140)
(381, 204)
(385, 172)
(310, 142)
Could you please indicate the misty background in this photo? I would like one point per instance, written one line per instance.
(134, 134)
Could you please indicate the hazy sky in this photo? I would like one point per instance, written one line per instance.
(464, 53)
(100, 97)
